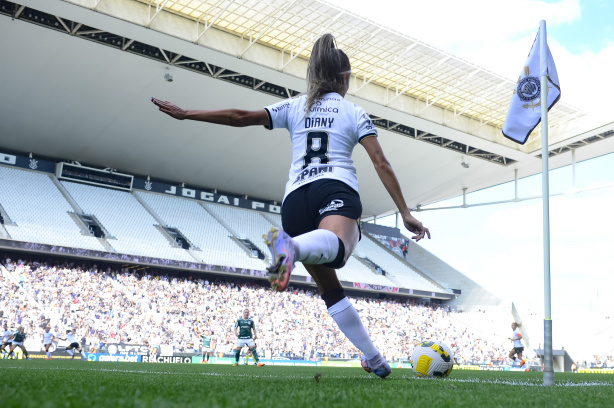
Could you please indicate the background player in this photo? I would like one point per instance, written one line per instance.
(245, 330)
(208, 346)
(518, 347)
(73, 344)
(17, 340)
(6, 335)
(249, 355)
(321, 205)
(47, 341)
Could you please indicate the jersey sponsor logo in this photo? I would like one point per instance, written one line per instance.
(318, 122)
(323, 109)
(332, 206)
(281, 107)
(312, 172)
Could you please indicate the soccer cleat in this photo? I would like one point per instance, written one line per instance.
(235, 365)
(28, 358)
(382, 371)
(282, 258)
(260, 364)
(522, 363)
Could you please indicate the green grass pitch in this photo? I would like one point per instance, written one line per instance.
(64, 383)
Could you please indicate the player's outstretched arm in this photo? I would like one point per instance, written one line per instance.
(228, 117)
(390, 181)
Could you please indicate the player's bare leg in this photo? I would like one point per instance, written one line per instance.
(24, 351)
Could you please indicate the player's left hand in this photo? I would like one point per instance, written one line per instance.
(416, 227)
(169, 108)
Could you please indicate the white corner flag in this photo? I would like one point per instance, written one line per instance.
(524, 113)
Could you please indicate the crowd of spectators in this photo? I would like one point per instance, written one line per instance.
(159, 308)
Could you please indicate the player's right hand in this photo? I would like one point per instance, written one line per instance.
(416, 227)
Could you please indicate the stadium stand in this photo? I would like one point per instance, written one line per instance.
(202, 229)
(131, 226)
(247, 224)
(356, 271)
(394, 267)
(108, 305)
(38, 211)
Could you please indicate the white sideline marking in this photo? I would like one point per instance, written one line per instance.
(525, 383)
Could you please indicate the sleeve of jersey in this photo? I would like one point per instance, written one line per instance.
(278, 115)
(365, 126)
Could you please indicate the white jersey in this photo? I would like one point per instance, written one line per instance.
(515, 336)
(6, 335)
(47, 337)
(323, 141)
(71, 338)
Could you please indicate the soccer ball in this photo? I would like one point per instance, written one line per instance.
(432, 359)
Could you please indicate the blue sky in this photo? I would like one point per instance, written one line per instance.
(498, 34)
(500, 246)
(593, 31)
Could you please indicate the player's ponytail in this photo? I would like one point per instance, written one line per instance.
(325, 70)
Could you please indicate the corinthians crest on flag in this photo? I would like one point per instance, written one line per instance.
(524, 113)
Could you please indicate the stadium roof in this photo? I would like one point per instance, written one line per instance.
(77, 77)
(400, 64)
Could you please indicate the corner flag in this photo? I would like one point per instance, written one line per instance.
(524, 113)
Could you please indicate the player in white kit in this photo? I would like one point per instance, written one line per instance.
(516, 352)
(6, 335)
(321, 206)
(73, 344)
(48, 337)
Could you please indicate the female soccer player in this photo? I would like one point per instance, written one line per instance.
(207, 338)
(18, 338)
(321, 206)
(48, 341)
(518, 347)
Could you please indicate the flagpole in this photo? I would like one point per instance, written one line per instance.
(548, 363)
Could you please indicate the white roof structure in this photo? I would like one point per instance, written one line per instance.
(78, 76)
(393, 61)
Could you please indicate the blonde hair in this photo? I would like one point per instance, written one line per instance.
(325, 70)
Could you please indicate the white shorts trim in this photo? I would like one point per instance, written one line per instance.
(18, 343)
(245, 342)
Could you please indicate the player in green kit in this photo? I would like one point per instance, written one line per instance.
(243, 330)
(208, 345)
(18, 338)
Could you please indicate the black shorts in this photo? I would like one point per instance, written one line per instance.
(72, 346)
(304, 209)
(519, 349)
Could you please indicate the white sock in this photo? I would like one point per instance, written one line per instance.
(317, 247)
(346, 317)
(70, 352)
(518, 360)
(48, 354)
